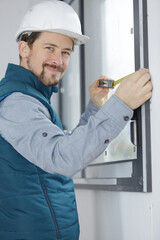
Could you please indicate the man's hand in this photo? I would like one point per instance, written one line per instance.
(98, 96)
(136, 89)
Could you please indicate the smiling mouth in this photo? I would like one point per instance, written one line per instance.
(54, 68)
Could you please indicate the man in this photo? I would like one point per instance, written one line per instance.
(37, 158)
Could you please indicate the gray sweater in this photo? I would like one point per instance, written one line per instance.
(26, 124)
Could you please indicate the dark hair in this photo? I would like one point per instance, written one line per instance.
(30, 39)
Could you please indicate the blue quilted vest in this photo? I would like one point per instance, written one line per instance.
(34, 205)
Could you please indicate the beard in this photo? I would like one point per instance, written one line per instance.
(51, 80)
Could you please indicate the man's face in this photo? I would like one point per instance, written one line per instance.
(48, 57)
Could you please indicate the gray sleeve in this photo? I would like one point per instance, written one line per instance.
(26, 125)
(90, 110)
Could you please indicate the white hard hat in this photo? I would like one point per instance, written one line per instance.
(53, 16)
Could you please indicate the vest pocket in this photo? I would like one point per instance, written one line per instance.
(51, 209)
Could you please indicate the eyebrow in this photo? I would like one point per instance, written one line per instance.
(54, 45)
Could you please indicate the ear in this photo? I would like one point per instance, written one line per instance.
(23, 49)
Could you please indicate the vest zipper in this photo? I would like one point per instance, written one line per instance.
(51, 210)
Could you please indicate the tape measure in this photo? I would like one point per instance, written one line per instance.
(110, 83)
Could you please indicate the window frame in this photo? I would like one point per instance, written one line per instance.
(140, 180)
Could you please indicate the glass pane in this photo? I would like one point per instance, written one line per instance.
(110, 51)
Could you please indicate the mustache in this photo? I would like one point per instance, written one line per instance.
(58, 68)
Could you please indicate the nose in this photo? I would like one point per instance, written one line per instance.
(57, 58)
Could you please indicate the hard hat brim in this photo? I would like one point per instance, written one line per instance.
(79, 38)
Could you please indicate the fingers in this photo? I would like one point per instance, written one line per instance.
(138, 74)
(144, 79)
(145, 93)
(145, 85)
(148, 96)
(135, 89)
(94, 84)
(93, 87)
(147, 89)
(98, 96)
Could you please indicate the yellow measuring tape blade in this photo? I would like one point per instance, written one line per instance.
(120, 80)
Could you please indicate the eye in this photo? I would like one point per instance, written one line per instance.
(66, 53)
(50, 48)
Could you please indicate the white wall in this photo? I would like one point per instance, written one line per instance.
(154, 61)
(11, 13)
(130, 216)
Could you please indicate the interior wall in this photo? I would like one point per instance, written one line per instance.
(11, 13)
(154, 60)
